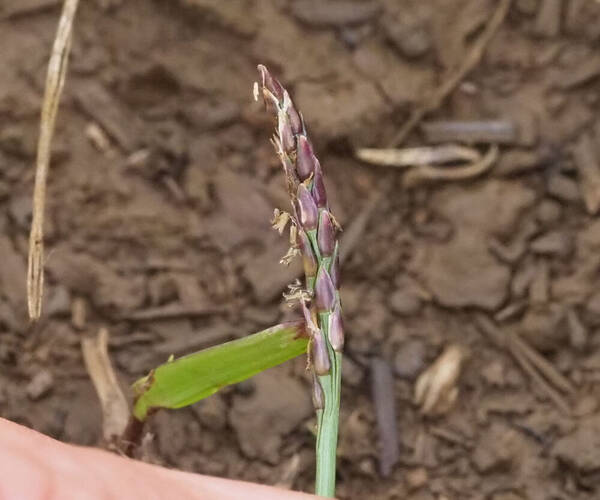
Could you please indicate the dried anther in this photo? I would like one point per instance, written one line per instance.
(296, 293)
(289, 256)
(280, 220)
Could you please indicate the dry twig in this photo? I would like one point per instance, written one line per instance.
(470, 61)
(531, 362)
(528, 368)
(410, 157)
(115, 412)
(57, 68)
(382, 389)
(426, 173)
(470, 131)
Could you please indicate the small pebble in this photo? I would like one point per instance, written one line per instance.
(578, 334)
(517, 162)
(410, 359)
(547, 21)
(549, 212)
(411, 41)
(405, 302)
(527, 7)
(353, 372)
(564, 188)
(40, 385)
(494, 373)
(553, 243)
(212, 412)
(585, 406)
(59, 302)
(416, 478)
(593, 304)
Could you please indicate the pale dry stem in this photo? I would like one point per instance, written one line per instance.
(57, 68)
(426, 173)
(115, 411)
(410, 157)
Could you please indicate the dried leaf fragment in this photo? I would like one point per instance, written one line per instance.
(435, 389)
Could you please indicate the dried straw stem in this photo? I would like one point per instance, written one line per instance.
(57, 68)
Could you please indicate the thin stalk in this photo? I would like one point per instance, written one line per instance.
(55, 79)
(327, 427)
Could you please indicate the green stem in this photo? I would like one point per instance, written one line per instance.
(328, 421)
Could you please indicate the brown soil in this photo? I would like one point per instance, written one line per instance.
(162, 186)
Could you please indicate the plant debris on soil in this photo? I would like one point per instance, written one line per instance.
(161, 189)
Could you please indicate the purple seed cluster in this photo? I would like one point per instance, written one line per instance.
(316, 227)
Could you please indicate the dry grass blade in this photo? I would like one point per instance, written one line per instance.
(409, 157)
(115, 412)
(543, 365)
(57, 68)
(544, 386)
(469, 62)
(426, 173)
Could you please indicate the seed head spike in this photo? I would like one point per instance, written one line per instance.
(318, 189)
(336, 329)
(305, 159)
(320, 355)
(324, 291)
(308, 213)
(326, 234)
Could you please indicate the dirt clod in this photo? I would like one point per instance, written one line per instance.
(40, 385)
(580, 448)
(251, 414)
(410, 359)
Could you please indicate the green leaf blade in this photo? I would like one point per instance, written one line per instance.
(196, 376)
